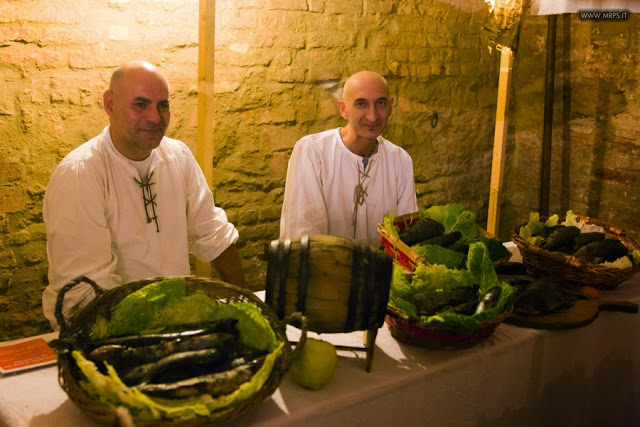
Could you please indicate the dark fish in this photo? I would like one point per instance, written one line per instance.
(145, 373)
(548, 230)
(542, 296)
(77, 342)
(223, 325)
(458, 246)
(584, 239)
(111, 352)
(444, 240)
(119, 355)
(216, 384)
(421, 230)
(489, 299)
(561, 240)
(467, 308)
(429, 303)
(602, 251)
(242, 355)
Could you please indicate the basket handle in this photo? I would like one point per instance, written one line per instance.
(294, 319)
(66, 288)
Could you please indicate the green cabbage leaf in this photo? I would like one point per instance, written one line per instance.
(434, 254)
(389, 225)
(454, 218)
(435, 278)
(136, 312)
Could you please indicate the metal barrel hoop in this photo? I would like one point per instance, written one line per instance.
(284, 251)
(271, 272)
(352, 304)
(303, 273)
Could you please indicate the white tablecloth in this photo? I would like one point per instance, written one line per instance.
(588, 376)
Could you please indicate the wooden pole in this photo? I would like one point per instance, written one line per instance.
(545, 162)
(204, 147)
(499, 140)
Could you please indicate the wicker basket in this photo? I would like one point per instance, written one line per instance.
(541, 261)
(408, 330)
(403, 254)
(79, 326)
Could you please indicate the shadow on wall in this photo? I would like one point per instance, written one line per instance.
(604, 138)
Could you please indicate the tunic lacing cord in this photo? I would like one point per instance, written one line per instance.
(149, 198)
(360, 193)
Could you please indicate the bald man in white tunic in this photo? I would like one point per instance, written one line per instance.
(131, 203)
(343, 181)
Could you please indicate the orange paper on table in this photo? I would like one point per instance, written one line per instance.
(27, 354)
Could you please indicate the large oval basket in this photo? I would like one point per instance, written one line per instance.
(541, 261)
(79, 326)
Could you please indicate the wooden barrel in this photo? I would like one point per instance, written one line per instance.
(339, 284)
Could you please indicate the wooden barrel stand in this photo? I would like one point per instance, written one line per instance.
(339, 284)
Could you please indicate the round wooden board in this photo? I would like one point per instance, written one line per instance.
(581, 313)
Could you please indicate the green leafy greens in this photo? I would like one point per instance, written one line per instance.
(531, 231)
(434, 254)
(136, 312)
(453, 217)
(437, 278)
(388, 223)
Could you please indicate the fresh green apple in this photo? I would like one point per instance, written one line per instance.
(315, 365)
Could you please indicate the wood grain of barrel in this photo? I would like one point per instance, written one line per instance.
(340, 285)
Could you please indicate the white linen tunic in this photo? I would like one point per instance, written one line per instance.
(328, 190)
(96, 223)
